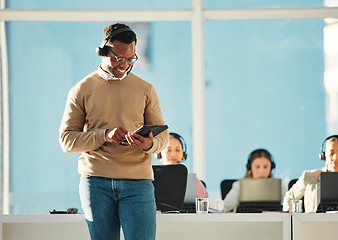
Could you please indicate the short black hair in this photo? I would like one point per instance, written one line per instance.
(125, 37)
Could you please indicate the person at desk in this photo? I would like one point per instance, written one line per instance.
(175, 153)
(260, 165)
(116, 188)
(308, 183)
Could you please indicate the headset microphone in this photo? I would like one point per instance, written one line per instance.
(112, 77)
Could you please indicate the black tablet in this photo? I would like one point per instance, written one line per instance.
(145, 129)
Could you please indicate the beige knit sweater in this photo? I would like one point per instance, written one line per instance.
(94, 105)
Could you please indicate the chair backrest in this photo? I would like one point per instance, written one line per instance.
(170, 185)
(226, 185)
(205, 185)
(292, 181)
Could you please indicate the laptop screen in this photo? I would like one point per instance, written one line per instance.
(329, 187)
(190, 193)
(260, 190)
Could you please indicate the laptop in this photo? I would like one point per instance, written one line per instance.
(190, 194)
(328, 192)
(260, 194)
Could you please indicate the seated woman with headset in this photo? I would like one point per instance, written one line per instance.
(309, 183)
(260, 165)
(175, 153)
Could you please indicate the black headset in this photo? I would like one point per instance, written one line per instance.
(322, 149)
(184, 146)
(265, 154)
(102, 50)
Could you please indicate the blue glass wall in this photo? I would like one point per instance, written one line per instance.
(264, 88)
(45, 61)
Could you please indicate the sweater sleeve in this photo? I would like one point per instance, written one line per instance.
(295, 193)
(153, 115)
(72, 136)
(232, 198)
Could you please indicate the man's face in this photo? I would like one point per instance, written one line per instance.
(121, 50)
(331, 156)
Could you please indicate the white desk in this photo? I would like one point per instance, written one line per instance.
(316, 226)
(232, 226)
(43, 227)
(262, 226)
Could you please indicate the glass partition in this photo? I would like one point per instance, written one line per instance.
(45, 60)
(268, 84)
(264, 89)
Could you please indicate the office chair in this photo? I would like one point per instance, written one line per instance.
(170, 185)
(292, 181)
(205, 185)
(226, 185)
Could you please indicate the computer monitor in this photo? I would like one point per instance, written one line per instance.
(328, 192)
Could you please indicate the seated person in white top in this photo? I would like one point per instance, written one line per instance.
(308, 184)
(260, 165)
(175, 153)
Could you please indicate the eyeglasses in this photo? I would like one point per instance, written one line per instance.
(121, 60)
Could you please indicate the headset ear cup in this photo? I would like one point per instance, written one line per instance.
(101, 51)
(322, 156)
(185, 156)
(248, 166)
(98, 51)
(273, 165)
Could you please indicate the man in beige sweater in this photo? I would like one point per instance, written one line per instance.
(105, 107)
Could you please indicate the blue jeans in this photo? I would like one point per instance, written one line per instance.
(109, 204)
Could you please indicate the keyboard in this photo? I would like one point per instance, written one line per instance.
(258, 207)
(324, 207)
(189, 208)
